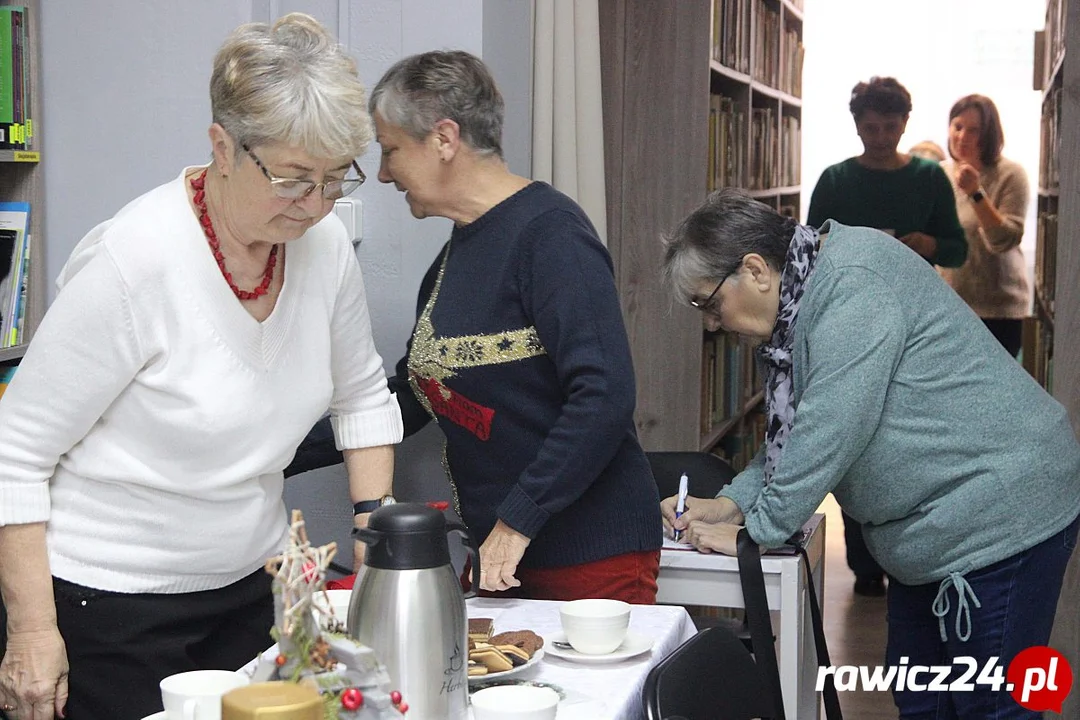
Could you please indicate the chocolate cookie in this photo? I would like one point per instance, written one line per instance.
(527, 640)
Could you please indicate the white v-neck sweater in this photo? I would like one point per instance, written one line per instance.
(152, 416)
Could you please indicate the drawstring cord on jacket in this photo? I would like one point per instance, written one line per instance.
(963, 610)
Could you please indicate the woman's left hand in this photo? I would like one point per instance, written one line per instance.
(499, 557)
(713, 537)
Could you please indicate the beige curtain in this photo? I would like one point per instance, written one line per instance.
(568, 127)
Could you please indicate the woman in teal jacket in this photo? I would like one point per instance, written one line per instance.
(883, 388)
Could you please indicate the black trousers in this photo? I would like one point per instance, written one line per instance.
(120, 645)
(1007, 331)
(858, 557)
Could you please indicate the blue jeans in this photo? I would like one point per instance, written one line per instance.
(1018, 597)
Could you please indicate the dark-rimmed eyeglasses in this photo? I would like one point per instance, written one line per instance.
(294, 189)
(706, 304)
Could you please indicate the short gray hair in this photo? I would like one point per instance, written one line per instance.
(291, 83)
(420, 90)
(711, 242)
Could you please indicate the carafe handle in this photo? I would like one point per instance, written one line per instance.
(474, 556)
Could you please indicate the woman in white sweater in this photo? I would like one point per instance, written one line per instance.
(991, 202)
(196, 337)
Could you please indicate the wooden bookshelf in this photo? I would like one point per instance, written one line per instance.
(1058, 265)
(1049, 63)
(698, 94)
(21, 179)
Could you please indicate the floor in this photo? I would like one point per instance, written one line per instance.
(854, 625)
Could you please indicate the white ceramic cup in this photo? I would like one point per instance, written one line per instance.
(595, 626)
(515, 702)
(196, 695)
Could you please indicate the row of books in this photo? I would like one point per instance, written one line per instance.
(1054, 37)
(730, 379)
(16, 122)
(776, 49)
(727, 143)
(769, 156)
(731, 34)
(15, 242)
(1048, 140)
(1046, 234)
(738, 448)
(791, 62)
(750, 36)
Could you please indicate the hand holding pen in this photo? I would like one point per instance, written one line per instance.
(680, 504)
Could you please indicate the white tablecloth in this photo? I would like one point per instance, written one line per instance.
(593, 692)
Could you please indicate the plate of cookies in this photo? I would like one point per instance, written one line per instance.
(495, 656)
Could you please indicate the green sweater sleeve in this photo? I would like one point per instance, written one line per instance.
(854, 332)
(821, 200)
(944, 224)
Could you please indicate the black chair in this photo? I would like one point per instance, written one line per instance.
(706, 473)
(711, 676)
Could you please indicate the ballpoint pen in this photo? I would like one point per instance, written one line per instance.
(680, 506)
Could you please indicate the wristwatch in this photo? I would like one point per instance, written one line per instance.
(977, 196)
(366, 506)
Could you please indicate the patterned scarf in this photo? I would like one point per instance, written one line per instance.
(776, 354)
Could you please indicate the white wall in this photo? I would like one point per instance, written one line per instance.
(126, 106)
(940, 50)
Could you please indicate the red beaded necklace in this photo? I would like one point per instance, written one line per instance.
(198, 184)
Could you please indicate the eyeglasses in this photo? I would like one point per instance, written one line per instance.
(706, 304)
(294, 189)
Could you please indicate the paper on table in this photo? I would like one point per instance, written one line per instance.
(670, 544)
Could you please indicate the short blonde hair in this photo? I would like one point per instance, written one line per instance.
(291, 83)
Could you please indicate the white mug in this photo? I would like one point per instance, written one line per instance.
(196, 695)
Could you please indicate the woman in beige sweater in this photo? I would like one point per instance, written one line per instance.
(991, 202)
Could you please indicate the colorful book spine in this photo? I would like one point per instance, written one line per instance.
(7, 80)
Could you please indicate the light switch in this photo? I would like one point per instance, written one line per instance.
(351, 213)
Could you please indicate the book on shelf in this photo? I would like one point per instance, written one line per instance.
(1049, 144)
(731, 34)
(1046, 257)
(730, 379)
(727, 128)
(16, 123)
(15, 262)
(6, 373)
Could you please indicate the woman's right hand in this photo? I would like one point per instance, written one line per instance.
(710, 510)
(34, 675)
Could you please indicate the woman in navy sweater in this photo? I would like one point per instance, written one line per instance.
(519, 351)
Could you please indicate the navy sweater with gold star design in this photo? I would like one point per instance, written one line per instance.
(521, 355)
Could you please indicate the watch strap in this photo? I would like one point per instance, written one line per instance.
(366, 506)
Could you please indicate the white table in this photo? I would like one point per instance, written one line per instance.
(593, 692)
(688, 577)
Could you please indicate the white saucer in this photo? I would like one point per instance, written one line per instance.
(156, 716)
(476, 679)
(635, 644)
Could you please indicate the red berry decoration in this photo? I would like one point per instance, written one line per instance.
(403, 708)
(395, 697)
(307, 568)
(280, 660)
(352, 699)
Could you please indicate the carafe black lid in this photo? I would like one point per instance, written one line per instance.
(405, 536)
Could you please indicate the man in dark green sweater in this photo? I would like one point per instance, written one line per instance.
(902, 195)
